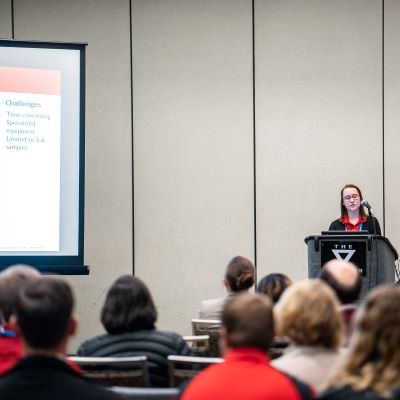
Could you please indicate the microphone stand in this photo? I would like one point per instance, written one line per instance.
(374, 243)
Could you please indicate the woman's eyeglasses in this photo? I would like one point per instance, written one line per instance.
(354, 196)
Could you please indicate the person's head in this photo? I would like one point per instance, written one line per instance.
(43, 313)
(128, 306)
(350, 200)
(12, 280)
(308, 313)
(239, 275)
(273, 285)
(373, 360)
(247, 321)
(344, 278)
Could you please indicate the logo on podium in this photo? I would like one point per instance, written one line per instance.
(343, 255)
(354, 252)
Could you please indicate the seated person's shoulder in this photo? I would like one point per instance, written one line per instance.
(304, 390)
(173, 340)
(211, 308)
(90, 346)
(346, 393)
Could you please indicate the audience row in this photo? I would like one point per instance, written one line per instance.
(336, 348)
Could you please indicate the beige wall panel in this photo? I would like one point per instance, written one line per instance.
(193, 149)
(108, 206)
(318, 119)
(392, 121)
(5, 19)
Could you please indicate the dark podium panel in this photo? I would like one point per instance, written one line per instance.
(373, 255)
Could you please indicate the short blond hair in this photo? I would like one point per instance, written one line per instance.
(12, 280)
(309, 314)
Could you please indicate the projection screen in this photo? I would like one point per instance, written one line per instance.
(42, 131)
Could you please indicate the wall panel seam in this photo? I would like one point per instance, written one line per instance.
(383, 119)
(254, 135)
(12, 20)
(132, 133)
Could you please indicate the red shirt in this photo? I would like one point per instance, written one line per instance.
(245, 375)
(11, 351)
(349, 226)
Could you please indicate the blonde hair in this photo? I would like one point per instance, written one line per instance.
(12, 280)
(374, 357)
(308, 313)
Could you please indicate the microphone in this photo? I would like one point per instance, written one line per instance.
(365, 204)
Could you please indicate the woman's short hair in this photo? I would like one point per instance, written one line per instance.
(309, 314)
(240, 274)
(273, 285)
(343, 209)
(373, 361)
(128, 306)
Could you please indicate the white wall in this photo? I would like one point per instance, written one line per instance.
(318, 105)
(5, 19)
(392, 121)
(193, 148)
(319, 120)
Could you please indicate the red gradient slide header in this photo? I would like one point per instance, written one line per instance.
(27, 80)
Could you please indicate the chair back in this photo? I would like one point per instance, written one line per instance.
(115, 371)
(199, 344)
(181, 368)
(208, 327)
(139, 393)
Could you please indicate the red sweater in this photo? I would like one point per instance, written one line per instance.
(10, 349)
(245, 375)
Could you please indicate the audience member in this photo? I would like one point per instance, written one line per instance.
(239, 277)
(246, 373)
(308, 314)
(273, 285)
(345, 280)
(12, 280)
(372, 368)
(44, 321)
(129, 317)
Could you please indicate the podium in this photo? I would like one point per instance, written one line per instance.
(373, 255)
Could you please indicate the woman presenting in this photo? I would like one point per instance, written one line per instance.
(353, 216)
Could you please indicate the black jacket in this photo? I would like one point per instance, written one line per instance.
(367, 226)
(347, 393)
(155, 345)
(49, 378)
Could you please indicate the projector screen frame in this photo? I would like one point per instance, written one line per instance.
(60, 264)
